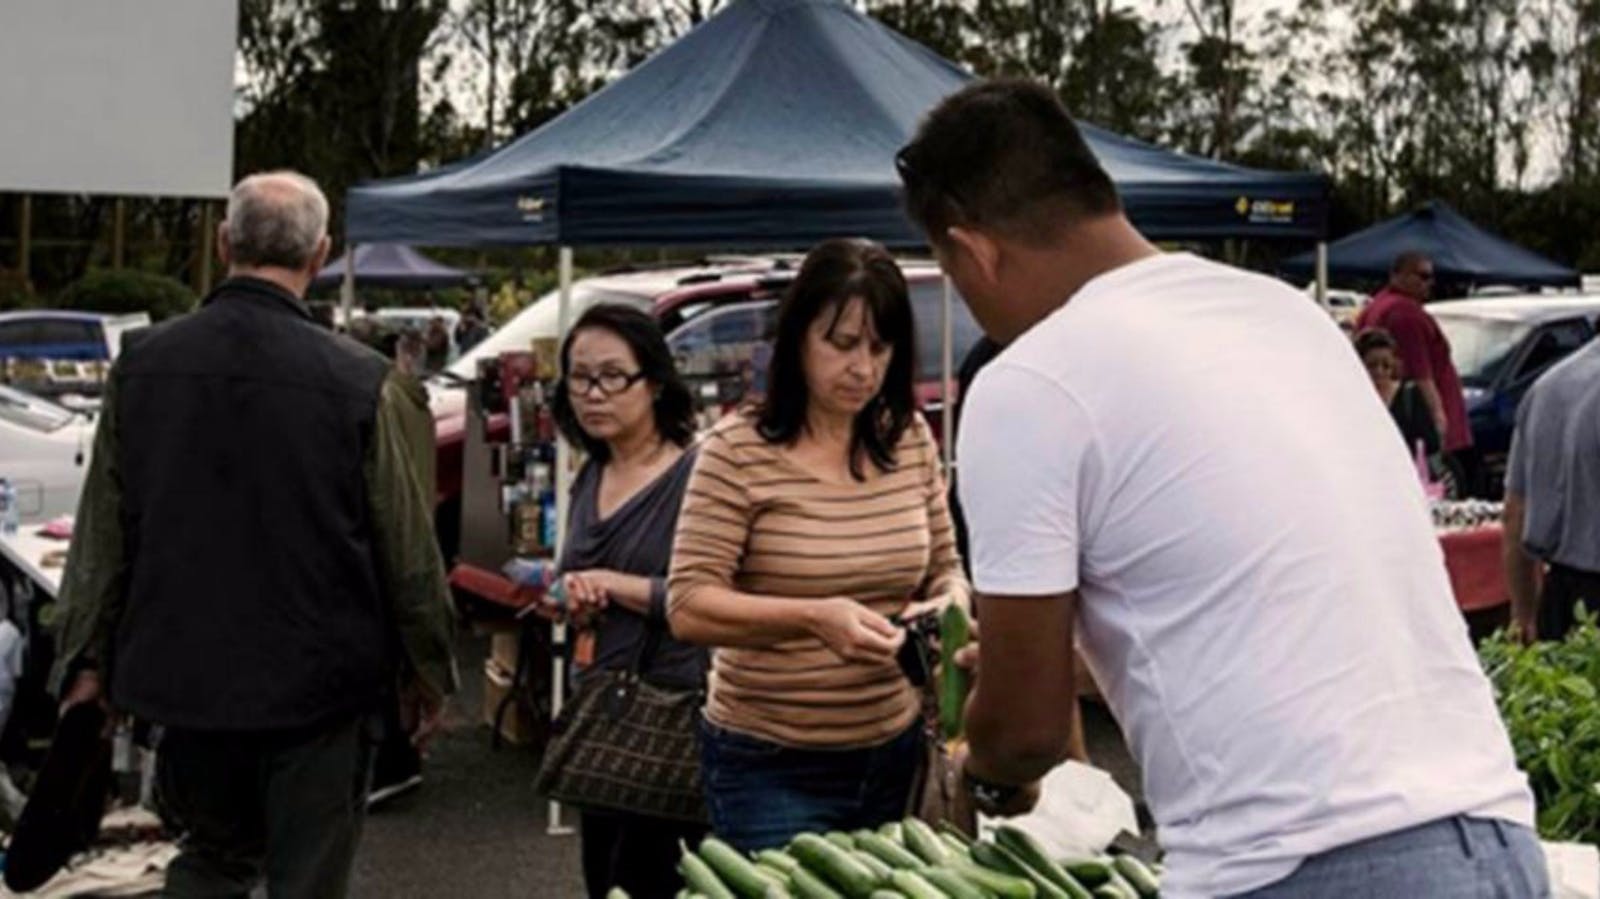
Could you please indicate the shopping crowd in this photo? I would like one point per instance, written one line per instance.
(1174, 465)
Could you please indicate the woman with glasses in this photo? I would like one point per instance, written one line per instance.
(812, 520)
(624, 403)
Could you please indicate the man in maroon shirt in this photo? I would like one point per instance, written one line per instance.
(1424, 351)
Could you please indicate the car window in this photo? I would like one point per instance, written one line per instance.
(720, 340)
(1481, 347)
(927, 300)
(1551, 344)
(66, 333)
(15, 335)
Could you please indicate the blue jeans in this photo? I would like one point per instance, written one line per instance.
(761, 794)
(1453, 858)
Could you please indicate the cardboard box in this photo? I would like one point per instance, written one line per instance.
(504, 647)
(517, 725)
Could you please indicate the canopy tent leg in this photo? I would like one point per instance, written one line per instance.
(558, 665)
(25, 236)
(208, 244)
(119, 226)
(1322, 273)
(347, 287)
(947, 366)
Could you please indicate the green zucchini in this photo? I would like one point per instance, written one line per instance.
(955, 833)
(955, 631)
(888, 894)
(838, 866)
(810, 886)
(776, 875)
(1003, 885)
(1091, 872)
(950, 881)
(1138, 876)
(892, 854)
(921, 840)
(734, 870)
(1128, 890)
(616, 893)
(1022, 844)
(991, 856)
(1048, 887)
(772, 858)
(893, 832)
(914, 886)
(842, 840)
(699, 876)
(880, 869)
(957, 848)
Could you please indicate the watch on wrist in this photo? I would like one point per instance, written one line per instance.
(988, 797)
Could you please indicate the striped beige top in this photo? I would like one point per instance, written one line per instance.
(755, 521)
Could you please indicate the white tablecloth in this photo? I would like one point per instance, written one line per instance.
(26, 550)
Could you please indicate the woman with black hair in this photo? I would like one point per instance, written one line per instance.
(811, 519)
(622, 400)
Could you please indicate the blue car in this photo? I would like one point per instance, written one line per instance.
(61, 335)
(1500, 346)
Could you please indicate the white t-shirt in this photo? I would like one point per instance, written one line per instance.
(1198, 451)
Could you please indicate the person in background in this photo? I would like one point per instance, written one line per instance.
(471, 330)
(624, 403)
(397, 762)
(810, 521)
(1552, 502)
(1291, 670)
(437, 340)
(1402, 398)
(1424, 353)
(253, 561)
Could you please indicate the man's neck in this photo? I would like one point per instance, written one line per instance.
(295, 283)
(1051, 276)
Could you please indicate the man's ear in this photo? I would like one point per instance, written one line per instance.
(224, 248)
(983, 254)
(320, 257)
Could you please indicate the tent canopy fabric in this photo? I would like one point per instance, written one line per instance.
(1463, 254)
(392, 265)
(775, 123)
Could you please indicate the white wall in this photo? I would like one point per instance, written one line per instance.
(117, 96)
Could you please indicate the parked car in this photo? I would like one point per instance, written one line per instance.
(713, 313)
(1500, 346)
(44, 452)
(418, 318)
(53, 334)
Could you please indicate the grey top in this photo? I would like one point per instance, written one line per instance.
(636, 539)
(1555, 462)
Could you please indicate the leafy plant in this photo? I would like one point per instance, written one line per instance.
(122, 291)
(1549, 696)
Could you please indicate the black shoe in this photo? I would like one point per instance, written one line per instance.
(397, 769)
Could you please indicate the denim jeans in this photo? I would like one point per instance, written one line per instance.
(1453, 858)
(761, 794)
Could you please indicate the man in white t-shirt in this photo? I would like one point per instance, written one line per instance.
(1182, 466)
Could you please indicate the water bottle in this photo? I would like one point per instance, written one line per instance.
(10, 515)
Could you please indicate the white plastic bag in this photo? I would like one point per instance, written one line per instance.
(1081, 810)
(1574, 870)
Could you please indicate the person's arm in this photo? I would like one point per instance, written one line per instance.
(94, 584)
(947, 579)
(1521, 567)
(704, 607)
(410, 569)
(1021, 478)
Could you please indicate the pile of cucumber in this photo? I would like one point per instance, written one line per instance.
(909, 860)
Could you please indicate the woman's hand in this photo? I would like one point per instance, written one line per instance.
(854, 632)
(588, 593)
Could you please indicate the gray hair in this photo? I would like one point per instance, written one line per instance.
(276, 219)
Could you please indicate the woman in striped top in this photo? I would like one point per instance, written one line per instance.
(808, 522)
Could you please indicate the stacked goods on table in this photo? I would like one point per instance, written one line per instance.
(1461, 515)
(909, 860)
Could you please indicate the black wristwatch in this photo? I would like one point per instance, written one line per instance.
(989, 798)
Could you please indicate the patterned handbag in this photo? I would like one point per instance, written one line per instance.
(625, 744)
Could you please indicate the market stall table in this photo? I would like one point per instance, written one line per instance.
(29, 553)
(1477, 571)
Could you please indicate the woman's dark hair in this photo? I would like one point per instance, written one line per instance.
(674, 404)
(835, 272)
(1374, 339)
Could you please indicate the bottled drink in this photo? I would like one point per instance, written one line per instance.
(10, 515)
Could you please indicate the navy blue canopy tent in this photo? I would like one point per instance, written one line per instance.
(1464, 255)
(392, 265)
(775, 124)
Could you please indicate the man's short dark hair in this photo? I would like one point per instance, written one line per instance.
(1003, 155)
(1408, 260)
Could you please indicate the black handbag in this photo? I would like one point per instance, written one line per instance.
(625, 744)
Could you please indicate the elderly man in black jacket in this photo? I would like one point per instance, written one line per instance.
(254, 565)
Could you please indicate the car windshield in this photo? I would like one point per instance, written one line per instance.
(1481, 347)
(540, 319)
(30, 411)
